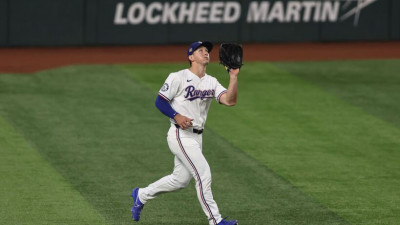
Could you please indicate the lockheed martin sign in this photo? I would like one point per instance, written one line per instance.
(227, 12)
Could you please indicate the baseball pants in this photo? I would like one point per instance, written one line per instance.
(189, 163)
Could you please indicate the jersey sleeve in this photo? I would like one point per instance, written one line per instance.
(219, 91)
(170, 88)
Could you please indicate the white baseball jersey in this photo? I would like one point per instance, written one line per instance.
(190, 95)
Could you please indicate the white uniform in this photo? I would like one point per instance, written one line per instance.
(190, 96)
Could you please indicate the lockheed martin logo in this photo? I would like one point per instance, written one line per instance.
(225, 12)
(357, 7)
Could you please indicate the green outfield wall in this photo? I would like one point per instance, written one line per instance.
(126, 22)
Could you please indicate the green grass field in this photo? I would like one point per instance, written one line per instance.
(311, 143)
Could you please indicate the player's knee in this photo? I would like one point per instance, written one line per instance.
(184, 184)
(180, 183)
(205, 175)
(206, 178)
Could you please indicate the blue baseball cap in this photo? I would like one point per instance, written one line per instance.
(195, 45)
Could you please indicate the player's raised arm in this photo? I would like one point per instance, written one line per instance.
(230, 97)
(231, 57)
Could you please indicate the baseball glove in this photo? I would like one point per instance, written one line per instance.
(231, 55)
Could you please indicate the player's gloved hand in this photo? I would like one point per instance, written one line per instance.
(231, 56)
(183, 121)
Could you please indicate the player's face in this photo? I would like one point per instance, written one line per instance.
(201, 55)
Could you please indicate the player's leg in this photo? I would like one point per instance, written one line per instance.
(187, 147)
(179, 179)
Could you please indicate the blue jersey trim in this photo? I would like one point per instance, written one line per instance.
(164, 97)
(219, 96)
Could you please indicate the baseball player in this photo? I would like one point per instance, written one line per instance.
(185, 98)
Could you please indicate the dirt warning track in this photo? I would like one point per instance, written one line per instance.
(29, 60)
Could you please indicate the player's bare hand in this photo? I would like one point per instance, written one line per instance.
(183, 121)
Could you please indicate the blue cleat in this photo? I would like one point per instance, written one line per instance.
(228, 222)
(137, 205)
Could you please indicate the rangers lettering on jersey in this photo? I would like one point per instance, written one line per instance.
(192, 93)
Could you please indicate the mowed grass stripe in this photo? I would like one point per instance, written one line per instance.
(344, 157)
(370, 84)
(32, 192)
